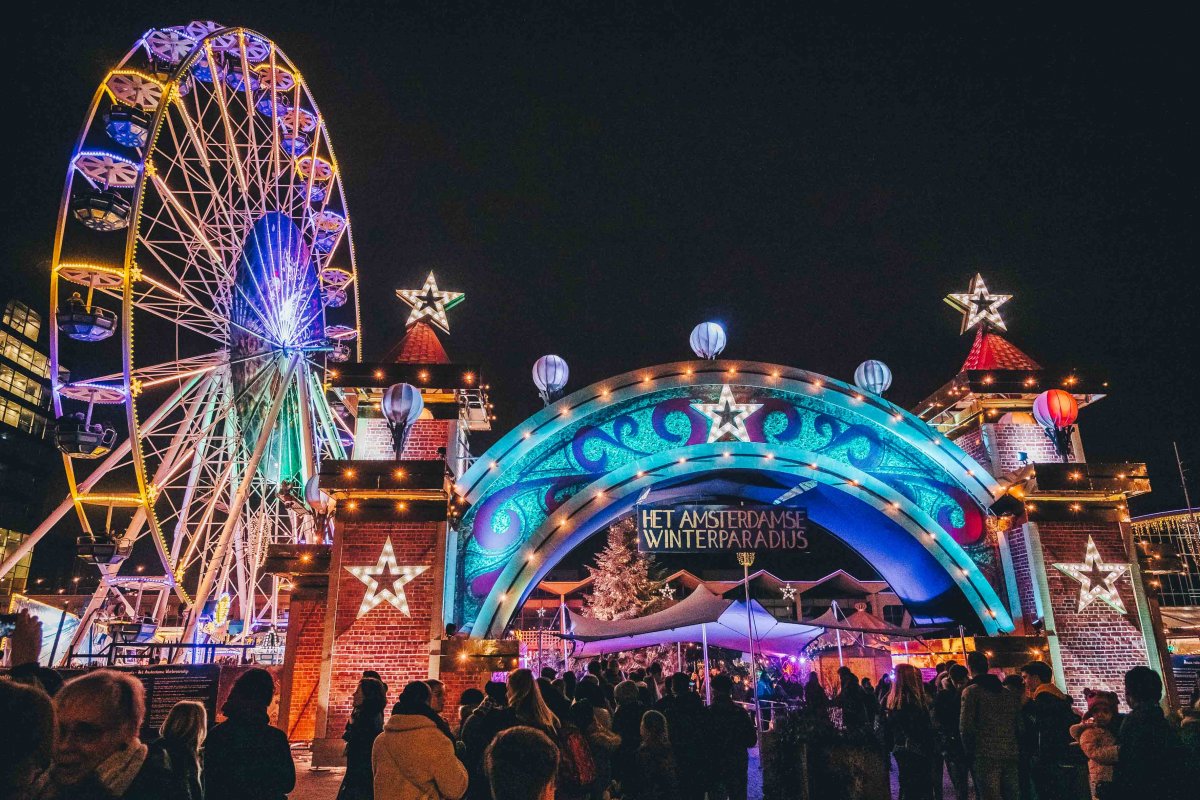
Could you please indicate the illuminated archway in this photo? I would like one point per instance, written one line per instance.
(881, 480)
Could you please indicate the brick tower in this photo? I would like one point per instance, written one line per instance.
(1064, 561)
(373, 597)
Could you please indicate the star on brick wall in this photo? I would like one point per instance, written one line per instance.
(376, 594)
(1097, 580)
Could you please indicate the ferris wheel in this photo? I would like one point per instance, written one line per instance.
(203, 277)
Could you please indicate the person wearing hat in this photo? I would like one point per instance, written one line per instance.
(1097, 737)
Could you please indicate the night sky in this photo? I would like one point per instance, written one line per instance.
(600, 177)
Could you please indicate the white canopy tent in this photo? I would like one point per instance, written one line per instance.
(700, 617)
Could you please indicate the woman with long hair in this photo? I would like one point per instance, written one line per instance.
(654, 776)
(908, 731)
(181, 735)
(528, 705)
(366, 722)
(245, 757)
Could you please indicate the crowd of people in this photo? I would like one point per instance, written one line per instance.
(1021, 739)
(640, 735)
(602, 735)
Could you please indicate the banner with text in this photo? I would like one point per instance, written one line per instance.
(704, 528)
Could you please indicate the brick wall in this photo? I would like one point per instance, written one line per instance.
(1097, 644)
(972, 443)
(302, 665)
(373, 439)
(1006, 442)
(384, 639)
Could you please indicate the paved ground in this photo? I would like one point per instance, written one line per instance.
(322, 784)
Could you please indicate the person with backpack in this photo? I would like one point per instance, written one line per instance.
(577, 775)
(603, 743)
(1055, 767)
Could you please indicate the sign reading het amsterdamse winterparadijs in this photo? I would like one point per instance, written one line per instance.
(699, 529)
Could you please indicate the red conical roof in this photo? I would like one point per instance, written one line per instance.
(992, 351)
(420, 345)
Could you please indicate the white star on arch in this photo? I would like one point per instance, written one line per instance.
(1097, 580)
(375, 594)
(430, 303)
(728, 416)
(788, 592)
(979, 305)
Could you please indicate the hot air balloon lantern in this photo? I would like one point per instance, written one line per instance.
(707, 340)
(550, 374)
(402, 406)
(873, 376)
(323, 507)
(1056, 411)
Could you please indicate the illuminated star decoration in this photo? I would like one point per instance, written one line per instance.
(667, 591)
(1097, 580)
(430, 303)
(376, 594)
(789, 592)
(728, 416)
(979, 305)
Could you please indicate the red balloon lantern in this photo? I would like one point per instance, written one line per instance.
(1055, 409)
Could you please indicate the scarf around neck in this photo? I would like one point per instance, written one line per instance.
(118, 770)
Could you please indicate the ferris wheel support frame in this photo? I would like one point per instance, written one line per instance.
(118, 453)
(235, 510)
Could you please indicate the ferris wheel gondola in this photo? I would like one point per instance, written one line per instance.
(198, 351)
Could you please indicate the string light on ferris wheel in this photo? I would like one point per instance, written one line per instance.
(430, 303)
(978, 305)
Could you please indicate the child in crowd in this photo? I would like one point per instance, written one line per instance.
(1097, 738)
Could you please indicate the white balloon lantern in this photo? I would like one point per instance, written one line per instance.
(402, 406)
(873, 376)
(550, 374)
(707, 340)
(323, 506)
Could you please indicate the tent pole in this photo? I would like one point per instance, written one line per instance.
(838, 631)
(679, 656)
(562, 626)
(962, 638)
(746, 559)
(707, 674)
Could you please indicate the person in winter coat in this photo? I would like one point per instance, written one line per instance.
(366, 722)
(989, 724)
(686, 719)
(487, 720)
(852, 700)
(97, 752)
(589, 689)
(412, 759)
(627, 723)
(816, 701)
(602, 741)
(1097, 737)
(1046, 718)
(26, 737)
(1152, 763)
(180, 737)
(731, 733)
(908, 734)
(654, 776)
(947, 706)
(245, 758)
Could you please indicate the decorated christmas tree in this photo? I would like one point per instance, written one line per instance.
(625, 582)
